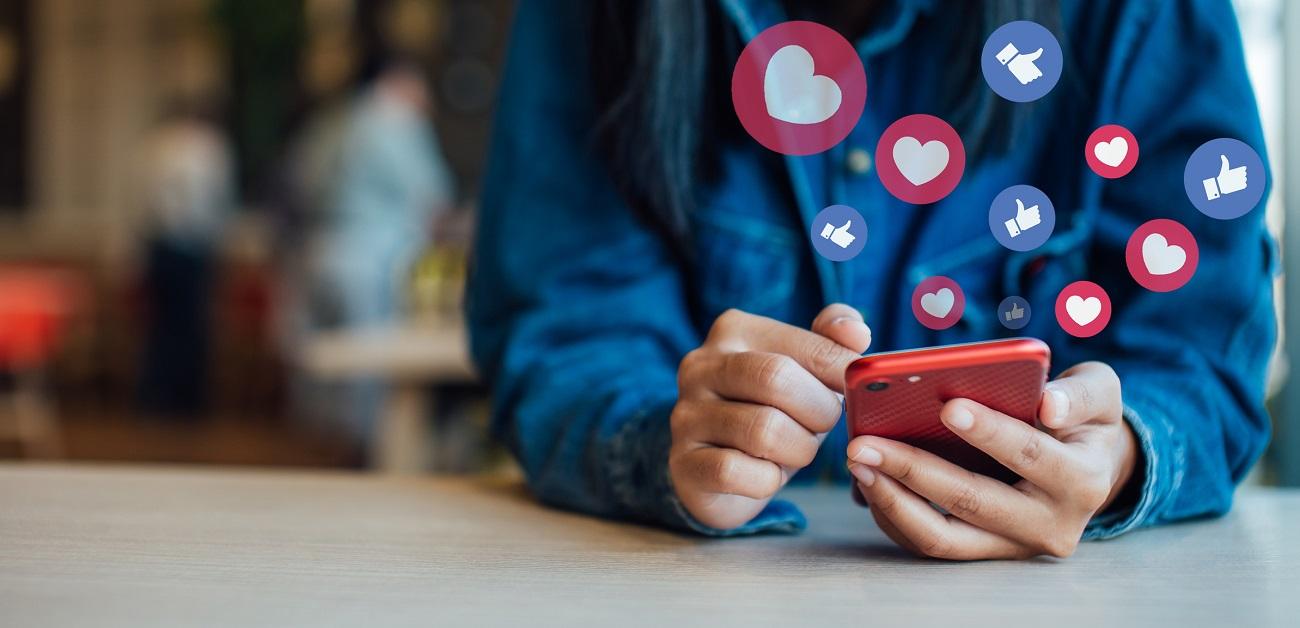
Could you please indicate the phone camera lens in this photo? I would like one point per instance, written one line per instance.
(877, 386)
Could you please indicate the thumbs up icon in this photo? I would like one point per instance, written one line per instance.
(1229, 180)
(1021, 65)
(839, 235)
(1026, 218)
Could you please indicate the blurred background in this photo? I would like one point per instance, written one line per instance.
(235, 231)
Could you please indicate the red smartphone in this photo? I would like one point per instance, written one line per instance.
(898, 394)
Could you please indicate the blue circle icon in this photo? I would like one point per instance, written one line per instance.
(1014, 313)
(1022, 218)
(839, 233)
(1021, 61)
(1225, 178)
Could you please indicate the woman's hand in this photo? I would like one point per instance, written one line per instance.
(754, 403)
(1072, 469)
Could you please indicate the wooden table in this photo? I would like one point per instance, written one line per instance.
(144, 546)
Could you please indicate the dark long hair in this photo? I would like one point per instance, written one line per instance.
(662, 75)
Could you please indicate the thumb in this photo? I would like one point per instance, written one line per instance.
(1020, 206)
(1033, 56)
(846, 225)
(1223, 169)
(844, 325)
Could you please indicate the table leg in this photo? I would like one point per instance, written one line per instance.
(405, 441)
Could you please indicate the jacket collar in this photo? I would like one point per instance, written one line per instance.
(751, 17)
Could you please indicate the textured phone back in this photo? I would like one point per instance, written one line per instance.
(908, 411)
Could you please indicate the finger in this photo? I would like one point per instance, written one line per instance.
(929, 532)
(776, 380)
(865, 478)
(1033, 56)
(1031, 454)
(844, 325)
(1082, 393)
(729, 472)
(760, 431)
(1223, 167)
(971, 497)
(824, 358)
(1020, 206)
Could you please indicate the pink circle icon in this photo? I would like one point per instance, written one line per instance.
(799, 88)
(1083, 309)
(938, 303)
(1162, 255)
(920, 159)
(1111, 151)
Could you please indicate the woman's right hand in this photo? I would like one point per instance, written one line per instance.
(754, 403)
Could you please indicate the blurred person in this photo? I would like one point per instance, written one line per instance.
(187, 181)
(369, 181)
(664, 345)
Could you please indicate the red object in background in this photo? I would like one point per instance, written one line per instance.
(34, 305)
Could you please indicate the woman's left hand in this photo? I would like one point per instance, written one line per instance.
(1071, 470)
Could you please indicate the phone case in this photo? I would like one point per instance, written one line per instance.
(898, 395)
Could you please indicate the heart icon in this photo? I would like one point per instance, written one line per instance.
(937, 304)
(793, 93)
(1111, 153)
(1083, 311)
(920, 163)
(1161, 257)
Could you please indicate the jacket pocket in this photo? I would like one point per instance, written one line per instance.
(745, 262)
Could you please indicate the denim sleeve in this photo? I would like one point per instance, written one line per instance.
(1192, 362)
(577, 310)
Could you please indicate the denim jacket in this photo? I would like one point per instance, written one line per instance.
(579, 313)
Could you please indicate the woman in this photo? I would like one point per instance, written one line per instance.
(650, 314)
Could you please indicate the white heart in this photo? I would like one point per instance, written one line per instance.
(937, 304)
(920, 163)
(793, 93)
(1083, 311)
(1111, 153)
(1161, 257)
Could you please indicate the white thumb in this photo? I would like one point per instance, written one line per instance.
(1033, 56)
(1223, 169)
(1020, 207)
(846, 225)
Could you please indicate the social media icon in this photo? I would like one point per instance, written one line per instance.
(1021, 66)
(1083, 309)
(840, 236)
(1228, 181)
(1014, 312)
(799, 88)
(938, 303)
(839, 233)
(1022, 218)
(920, 163)
(925, 159)
(1112, 151)
(1021, 61)
(794, 93)
(1162, 255)
(1224, 178)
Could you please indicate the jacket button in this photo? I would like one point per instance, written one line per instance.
(858, 161)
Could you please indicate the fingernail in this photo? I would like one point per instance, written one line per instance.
(867, 455)
(1060, 403)
(863, 475)
(961, 418)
